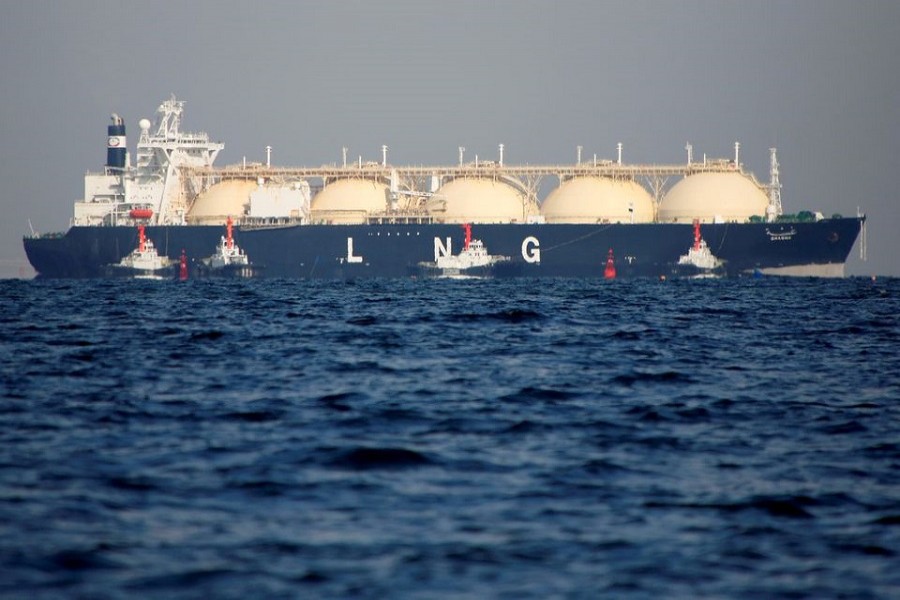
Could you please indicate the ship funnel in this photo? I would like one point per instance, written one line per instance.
(115, 143)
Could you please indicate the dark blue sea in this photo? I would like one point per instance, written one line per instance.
(450, 439)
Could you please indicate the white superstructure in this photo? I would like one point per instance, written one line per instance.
(155, 184)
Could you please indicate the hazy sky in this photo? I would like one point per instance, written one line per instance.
(818, 79)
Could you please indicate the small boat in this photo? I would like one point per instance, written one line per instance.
(144, 262)
(699, 262)
(229, 260)
(473, 262)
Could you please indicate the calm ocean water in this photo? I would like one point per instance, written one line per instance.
(464, 439)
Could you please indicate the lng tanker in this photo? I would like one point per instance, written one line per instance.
(373, 219)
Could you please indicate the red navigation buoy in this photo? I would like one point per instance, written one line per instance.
(142, 239)
(229, 240)
(610, 271)
(183, 270)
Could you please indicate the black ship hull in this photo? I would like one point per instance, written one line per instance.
(818, 248)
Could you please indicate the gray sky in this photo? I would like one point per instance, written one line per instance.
(817, 78)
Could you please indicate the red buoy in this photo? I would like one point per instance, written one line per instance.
(610, 271)
(229, 240)
(142, 239)
(697, 237)
(183, 271)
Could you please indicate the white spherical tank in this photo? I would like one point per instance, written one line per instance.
(598, 200)
(713, 197)
(225, 199)
(349, 201)
(480, 200)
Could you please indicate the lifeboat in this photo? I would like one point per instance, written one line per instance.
(141, 213)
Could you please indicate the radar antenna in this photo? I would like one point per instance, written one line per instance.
(169, 118)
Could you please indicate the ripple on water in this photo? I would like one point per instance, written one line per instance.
(561, 438)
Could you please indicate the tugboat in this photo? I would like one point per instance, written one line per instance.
(473, 262)
(143, 262)
(229, 259)
(699, 262)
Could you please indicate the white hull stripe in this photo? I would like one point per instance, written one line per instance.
(821, 270)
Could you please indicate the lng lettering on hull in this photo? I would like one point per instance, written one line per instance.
(478, 218)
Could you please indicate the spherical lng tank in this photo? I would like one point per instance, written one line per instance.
(480, 200)
(598, 200)
(349, 201)
(713, 197)
(225, 199)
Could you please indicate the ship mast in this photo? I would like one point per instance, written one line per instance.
(169, 118)
(774, 210)
(163, 156)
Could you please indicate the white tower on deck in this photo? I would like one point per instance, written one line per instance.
(774, 209)
(156, 183)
